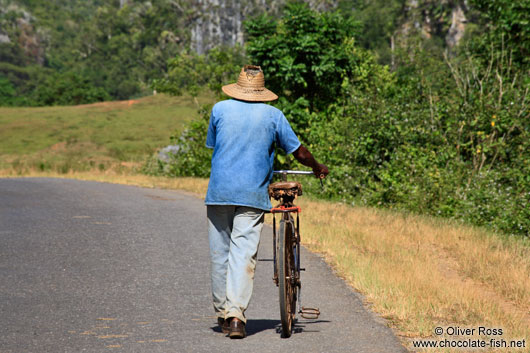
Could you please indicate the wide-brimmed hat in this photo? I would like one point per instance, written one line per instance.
(250, 86)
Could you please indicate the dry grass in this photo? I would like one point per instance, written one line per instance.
(124, 175)
(418, 272)
(422, 273)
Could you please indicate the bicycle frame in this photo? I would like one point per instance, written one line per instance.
(287, 212)
(286, 215)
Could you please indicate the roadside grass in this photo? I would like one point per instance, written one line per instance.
(124, 176)
(94, 136)
(421, 272)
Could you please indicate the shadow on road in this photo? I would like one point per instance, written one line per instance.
(299, 326)
(255, 326)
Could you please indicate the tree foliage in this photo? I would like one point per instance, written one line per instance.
(305, 54)
(68, 89)
(116, 51)
(189, 72)
(443, 135)
(506, 23)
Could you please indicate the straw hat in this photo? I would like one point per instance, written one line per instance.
(250, 86)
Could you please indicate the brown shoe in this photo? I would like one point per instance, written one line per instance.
(224, 325)
(237, 328)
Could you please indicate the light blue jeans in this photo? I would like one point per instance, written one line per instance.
(234, 234)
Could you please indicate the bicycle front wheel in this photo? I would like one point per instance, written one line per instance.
(287, 275)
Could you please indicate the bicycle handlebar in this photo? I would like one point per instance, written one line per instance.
(299, 172)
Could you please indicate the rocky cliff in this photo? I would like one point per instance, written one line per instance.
(220, 21)
(17, 29)
(434, 18)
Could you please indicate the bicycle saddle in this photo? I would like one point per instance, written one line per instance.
(285, 188)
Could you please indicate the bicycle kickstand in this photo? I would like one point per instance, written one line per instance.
(305, 312)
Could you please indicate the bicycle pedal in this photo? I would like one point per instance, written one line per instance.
(310, 313)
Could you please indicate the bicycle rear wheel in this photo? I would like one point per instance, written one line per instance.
(287, 274)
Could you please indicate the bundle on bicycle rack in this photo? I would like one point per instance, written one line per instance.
(286, 190)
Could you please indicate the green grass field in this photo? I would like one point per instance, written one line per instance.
(95, 136)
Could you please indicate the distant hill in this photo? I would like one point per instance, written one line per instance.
(114, 49)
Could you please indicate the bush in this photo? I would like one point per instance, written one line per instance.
(449, 138)
(190, 157)
(7, 92)
(68, 89)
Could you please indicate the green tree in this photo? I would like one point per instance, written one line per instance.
(506, 23)
(312, 62)
(7, 91)
(379, 20)
(305, 54)
(191, 72)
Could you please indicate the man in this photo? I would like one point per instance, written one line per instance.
(243, 133)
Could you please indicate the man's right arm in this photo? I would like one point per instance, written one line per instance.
(305, 157)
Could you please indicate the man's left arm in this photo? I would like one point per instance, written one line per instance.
(305, 157)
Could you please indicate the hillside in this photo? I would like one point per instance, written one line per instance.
(97, 137)
(75, 52)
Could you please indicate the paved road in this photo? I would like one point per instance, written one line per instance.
(93, 267)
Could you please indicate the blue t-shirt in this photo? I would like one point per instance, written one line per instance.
(243, 136)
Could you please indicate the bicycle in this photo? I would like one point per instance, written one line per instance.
(286, 250)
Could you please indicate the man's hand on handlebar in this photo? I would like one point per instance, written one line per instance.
(320, 171)
(305, 157)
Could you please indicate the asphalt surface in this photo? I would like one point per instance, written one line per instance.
(94, 267)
